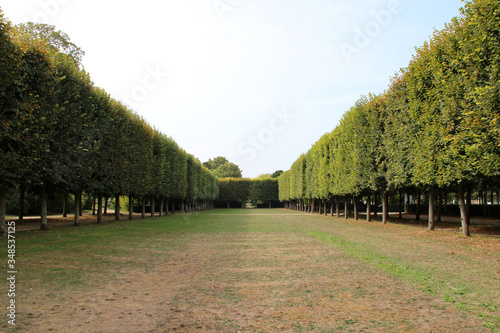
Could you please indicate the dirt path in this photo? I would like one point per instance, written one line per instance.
(245, 282)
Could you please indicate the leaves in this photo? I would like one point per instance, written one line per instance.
(436, 126)
(58, 128)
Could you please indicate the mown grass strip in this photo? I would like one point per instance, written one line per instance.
(430, 281)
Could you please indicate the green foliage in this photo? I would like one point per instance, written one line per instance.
(277, 173)
(214, 164)
(284, 186)
(223, 168)
(297, 182)
(234, 189)
(437, 125)
(264, 190)
(58, 41)
(10, 121)
(228, 169)
(57, 128)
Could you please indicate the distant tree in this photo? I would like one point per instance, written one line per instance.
(228, 170)
(277, 173)
(214, 164)
(234, 189)
(264, 190)
(223, 168)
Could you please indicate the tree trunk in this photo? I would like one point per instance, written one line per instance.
(375, 211)
(130, 207)
(117, 208)
(464, 214)
(431, 209)
(43, 200)
(468, 195)
(162, 204)
(99, 209)
(401, 196)
(333, 205)
(485, 203)
(143, 212)
(166, 207)
(3, 201)
(337, 206)
(369, 208)
(106, 205)
(76, 221)
(65, 204)
(22, 192)
(346, 213)
(153, 203)
(385, 207)
(439, 206)
(93, 206)
(356, 211)
(417, 214)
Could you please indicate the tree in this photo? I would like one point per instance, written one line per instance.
(264, 190)
(11, 144)
(228, 169)
(223, 168)
(39, 110)
(234, 190)
(277, 173)
(213, 164)
(284, 187)
(58, 41)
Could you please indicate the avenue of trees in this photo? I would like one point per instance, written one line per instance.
(435, 130)
(61, 133)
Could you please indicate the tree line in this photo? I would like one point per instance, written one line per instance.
(61, 132)
(235, 192)
(435, 130)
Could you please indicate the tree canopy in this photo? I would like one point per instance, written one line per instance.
(435, 127)
(223, 168)
(61, 132)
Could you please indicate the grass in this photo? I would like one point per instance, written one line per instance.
(463, 272)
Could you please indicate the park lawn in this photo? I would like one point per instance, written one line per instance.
(254, 270)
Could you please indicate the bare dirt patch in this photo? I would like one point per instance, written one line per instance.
(244, 282)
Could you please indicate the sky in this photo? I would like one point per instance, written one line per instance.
(255, 81)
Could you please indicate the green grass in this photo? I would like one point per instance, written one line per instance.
(462, 272)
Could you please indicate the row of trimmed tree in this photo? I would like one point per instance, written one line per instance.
(59, 131)
(435, 130)
(235, 192)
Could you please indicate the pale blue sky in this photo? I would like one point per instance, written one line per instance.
(256, 81)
